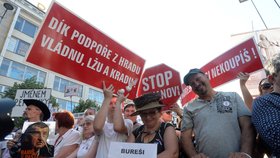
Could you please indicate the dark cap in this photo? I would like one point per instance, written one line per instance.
(42, 106)
(6, 106)
(190, 74)
(143, 102)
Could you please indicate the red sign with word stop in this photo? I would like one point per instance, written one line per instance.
(163, 79)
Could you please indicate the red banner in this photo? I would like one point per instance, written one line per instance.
(163, 79)
(242, 58)
(70, 46)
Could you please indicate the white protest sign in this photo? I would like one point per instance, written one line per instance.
(72, 90)
(43, 95)
(132, 150)
(52, 136)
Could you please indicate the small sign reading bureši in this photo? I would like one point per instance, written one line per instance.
(132, 150)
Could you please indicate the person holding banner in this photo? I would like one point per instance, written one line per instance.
(220, 121)
(109, 124)
(264, 87)
(33, 142)
(36, 111)
(266, 110)
(149, 107)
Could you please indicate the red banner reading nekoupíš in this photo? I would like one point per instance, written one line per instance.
(242, 58)
(70, 46)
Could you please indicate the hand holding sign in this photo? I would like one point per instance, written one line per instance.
(108, 91)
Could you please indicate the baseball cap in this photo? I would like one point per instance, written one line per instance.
(190, 74)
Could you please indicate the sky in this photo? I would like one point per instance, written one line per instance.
(182, 34)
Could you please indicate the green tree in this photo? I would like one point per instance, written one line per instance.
(84, 104)
(30, 83)
(27, 84)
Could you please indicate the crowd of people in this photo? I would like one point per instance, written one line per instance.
(215, 124)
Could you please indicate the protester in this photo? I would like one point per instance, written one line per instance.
(176, 108)
(166, 116)
(264, 88)
(88, 139)
(36, 111)
(129, 109)
(80, 120)
(266, 109)
(220, 121)
(6, 122)
(69, 139)
(33, 142)
(6, 127)
(89, 111)
(148, 106)
(109, 124)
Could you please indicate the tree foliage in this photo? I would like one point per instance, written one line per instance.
(84, 104)
(27, 84)
(30, 83)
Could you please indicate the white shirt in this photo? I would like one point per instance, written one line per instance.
(69, 138)
(109, 135)
(85, 146)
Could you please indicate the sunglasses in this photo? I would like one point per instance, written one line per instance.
(266, 86)
(168, 112)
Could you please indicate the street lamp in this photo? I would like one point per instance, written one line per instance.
(277, 3)
(7, 6)
(241, 1)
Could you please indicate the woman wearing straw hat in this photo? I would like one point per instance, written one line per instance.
(154, 130)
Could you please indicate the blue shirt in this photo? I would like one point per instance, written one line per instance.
(266, 119)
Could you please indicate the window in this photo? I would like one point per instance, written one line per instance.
(17, 71)
(20, 71)
(96, 95)
(26, 27)
(60, 84)
(66, 105)
(4, 68)
(3, 88)
(18, 46)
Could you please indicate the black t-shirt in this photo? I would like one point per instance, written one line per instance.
(158, 139)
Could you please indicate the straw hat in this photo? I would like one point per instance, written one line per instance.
(147, 101)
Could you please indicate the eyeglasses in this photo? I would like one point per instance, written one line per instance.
(266, 86)
(146, 114)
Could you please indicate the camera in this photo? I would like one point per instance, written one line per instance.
(14, 151)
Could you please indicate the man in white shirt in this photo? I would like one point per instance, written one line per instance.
(109, 124)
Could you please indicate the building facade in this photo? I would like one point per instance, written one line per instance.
(17, 31)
